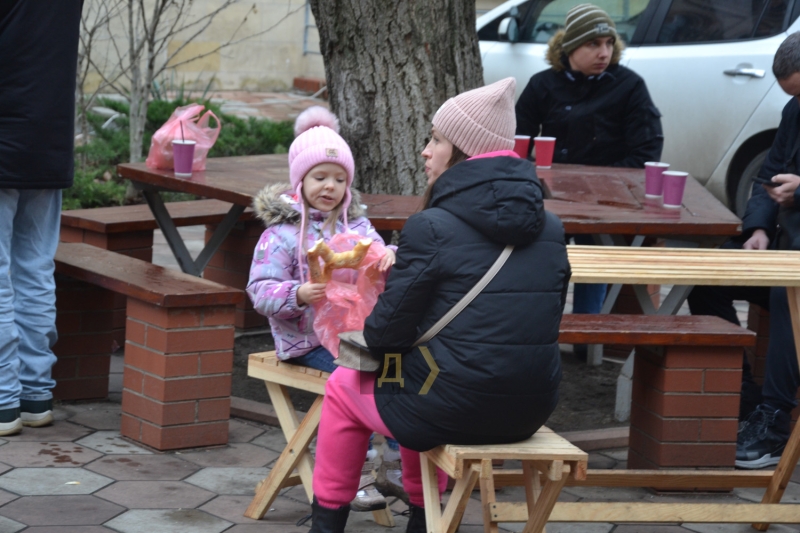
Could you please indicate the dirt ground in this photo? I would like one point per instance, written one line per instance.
(587, 393)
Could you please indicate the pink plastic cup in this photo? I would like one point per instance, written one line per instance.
(182, 155)
(545, 146)
(522, 145)
(674, 185)
(654, 179)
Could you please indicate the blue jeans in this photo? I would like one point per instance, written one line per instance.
(587, 298)
(29, 230)
(321, 359)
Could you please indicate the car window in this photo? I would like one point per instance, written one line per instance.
(548, 17)
(489, 31)
(698, 21)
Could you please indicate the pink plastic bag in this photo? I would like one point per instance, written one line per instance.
(350, 295)
(195, 128)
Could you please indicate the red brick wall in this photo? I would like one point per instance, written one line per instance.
(685, 406)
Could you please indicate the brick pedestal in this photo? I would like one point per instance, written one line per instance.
(231, 266)
(685, 407)
(138, 244)
(177, 377)
(91, 326)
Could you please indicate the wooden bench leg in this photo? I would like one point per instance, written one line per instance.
(459, 498)
(791, 454)
(287, 417)
(295, 450)
(540, 513)
(430, 493)
(487, 496)
(533, 485)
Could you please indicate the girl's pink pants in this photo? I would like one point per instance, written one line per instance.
(349, 417)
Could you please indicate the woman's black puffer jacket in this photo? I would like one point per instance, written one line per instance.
(499, 364)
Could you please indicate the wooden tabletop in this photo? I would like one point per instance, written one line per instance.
(684, 266)
(589, 200)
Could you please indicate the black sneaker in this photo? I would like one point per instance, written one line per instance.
(762, 438)
(36, 413)
(10, 422)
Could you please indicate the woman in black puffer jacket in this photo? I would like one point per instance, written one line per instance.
(498, 360)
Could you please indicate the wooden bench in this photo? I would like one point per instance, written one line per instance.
(295, 456)
(178, 335)
(548, 461)
(129, 230)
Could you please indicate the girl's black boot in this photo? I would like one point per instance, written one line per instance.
(416, 519)
(324, 520)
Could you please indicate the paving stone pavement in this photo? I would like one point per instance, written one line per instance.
(80, 475)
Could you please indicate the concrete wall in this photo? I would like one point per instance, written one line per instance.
(269, 61)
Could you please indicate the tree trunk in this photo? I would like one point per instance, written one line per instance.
(389, 65)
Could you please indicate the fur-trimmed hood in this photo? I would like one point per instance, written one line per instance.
(275, 204)
(555, 52)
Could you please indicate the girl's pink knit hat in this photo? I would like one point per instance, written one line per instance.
(317, 141)
(481, 120)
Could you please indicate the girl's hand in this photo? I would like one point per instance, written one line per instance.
(310, 293)
(386, 261)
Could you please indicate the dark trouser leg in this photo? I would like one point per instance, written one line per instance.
(781, 377)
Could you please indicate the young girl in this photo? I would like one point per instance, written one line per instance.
(317, 204)
(499, 362)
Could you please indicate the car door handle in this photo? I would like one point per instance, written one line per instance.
(752, 72)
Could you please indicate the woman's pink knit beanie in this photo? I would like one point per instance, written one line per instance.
(317, 141)
(481, 120)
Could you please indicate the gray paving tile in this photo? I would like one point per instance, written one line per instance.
(104, 417)
(41, 454)
(111, 442)
(155, 467)
(10, 526)
(598, 460)
(3, 441)
(61, 510)
(619, 454)
(235, 481)
(68, 529)
(4, 468)
(239, 431)
(791, 495)
(282, 511)
(66, 411)
(52, 482)
(61, 431)
(155, 495)
(272, 439)
(240, 454)
(168, 521)
(6, 497)
(734, 528)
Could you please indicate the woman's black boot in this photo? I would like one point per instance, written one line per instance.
(324, 520)
(416, 519)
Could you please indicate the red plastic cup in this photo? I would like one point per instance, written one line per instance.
(183, 155)
(654, 179)
(545, 146)
(674, 185)
(522, 145)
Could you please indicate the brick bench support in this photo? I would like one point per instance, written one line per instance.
(179, 338)
(686, 382)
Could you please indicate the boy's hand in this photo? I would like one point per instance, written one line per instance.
(310, 293)
(386, 261)
(783, 194)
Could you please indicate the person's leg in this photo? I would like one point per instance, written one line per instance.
(764, 435)
(34, 243)
(412, 477)
(587, 298)
(319, 359)
(349, 416)
(9, 335)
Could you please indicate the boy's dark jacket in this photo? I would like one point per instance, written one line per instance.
(499, 363)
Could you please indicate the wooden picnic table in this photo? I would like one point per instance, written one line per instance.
(602, 201)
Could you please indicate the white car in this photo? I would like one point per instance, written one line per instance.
(707, 65)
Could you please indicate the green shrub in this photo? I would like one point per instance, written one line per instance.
(96, 183)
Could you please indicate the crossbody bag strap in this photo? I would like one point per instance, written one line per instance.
(465, 301)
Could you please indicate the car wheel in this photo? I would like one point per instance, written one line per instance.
(745, 185)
